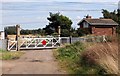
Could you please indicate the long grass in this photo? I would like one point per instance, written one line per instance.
(104, 55)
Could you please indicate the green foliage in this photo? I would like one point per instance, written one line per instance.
(37, 31)
(73, 32)
(11, 30)
(71, 51)
(26, 32)
(65, 33)
(49, 30)
(83, 31)
(113, 15)
(56, 20)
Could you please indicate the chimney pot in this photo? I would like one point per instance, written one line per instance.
(88, 16)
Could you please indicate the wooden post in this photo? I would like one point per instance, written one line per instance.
(18, 37)
(59, 32)
(70, 39)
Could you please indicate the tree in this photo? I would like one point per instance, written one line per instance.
(115, 15)
(83, 31)
(65, 33)
(10, 30)
(56, 20)
(73, 32)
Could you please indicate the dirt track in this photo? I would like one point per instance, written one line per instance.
(33, 62)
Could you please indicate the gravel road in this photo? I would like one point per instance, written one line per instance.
(33, 62)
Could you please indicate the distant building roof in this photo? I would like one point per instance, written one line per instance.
(99, 21)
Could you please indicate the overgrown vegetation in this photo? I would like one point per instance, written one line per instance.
(79, 58)
(104, 55)
(6, 55)
(70, 59)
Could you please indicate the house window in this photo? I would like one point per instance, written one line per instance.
(85, 25)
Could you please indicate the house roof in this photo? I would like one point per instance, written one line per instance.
(99, 21)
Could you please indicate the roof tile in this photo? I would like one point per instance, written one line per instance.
(100, 21)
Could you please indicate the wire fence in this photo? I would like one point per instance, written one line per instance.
(86, 39)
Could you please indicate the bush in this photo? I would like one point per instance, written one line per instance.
(83, 31)
(65, 33)
(71, 51)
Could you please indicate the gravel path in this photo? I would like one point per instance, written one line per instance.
(33, 62)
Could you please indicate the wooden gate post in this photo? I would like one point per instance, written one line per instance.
(59, 32)
(18, 37)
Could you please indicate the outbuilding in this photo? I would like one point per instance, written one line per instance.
(99, 26)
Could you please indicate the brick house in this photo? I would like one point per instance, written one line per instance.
(99, 26)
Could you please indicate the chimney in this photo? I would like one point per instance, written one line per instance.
(89, 17)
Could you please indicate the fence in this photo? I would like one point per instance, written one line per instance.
(3, 44)
(63, 40)
(71, 39)
(85, 39)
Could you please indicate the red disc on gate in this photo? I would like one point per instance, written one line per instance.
(44, 42)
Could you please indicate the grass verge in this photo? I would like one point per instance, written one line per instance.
(6, 55)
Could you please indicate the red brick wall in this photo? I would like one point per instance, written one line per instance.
(102, 31)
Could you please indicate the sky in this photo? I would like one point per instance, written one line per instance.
(60, 0)
(32, 14)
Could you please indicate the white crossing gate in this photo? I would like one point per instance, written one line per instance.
(35, 43)
(12, 45)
